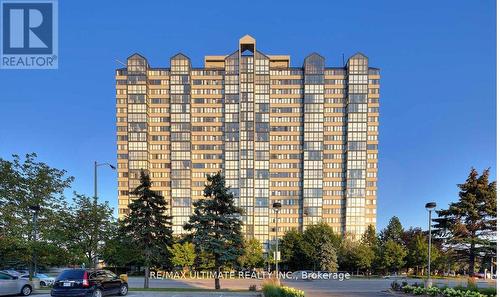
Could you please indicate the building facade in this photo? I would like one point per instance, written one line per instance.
(303, 136)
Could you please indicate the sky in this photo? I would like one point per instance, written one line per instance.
(438, 86)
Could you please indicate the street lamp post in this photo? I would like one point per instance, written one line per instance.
(430, 207)
(33, 268)
(96, 229)
(276, 208)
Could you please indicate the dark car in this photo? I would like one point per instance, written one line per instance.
(88, 283)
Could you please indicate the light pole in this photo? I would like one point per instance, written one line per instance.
(96, 228)
(276, 208)
(430, 207)
(35, 209)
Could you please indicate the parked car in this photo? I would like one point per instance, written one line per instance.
(13, 285)
(88, 283)
(395, 276)
(45, 280)
(302, 274)
(478, 275)
(11, 272)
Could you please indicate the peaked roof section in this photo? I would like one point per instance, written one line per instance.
(247, 39)
(359, 55)
(179, 56)
(314, 55)
(135, 56)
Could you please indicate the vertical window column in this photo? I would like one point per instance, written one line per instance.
(261, 150)
(357, 107)
(247, 140)
(232, 125)
(314, 78)
(180, 139)
(137, 118)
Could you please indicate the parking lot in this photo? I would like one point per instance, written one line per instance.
(355, 287)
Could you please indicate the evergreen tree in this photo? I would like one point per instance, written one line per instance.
(149, 226)
(328, 261)
(393, 231)
(369, 237)
(216, 224)
(469, 225)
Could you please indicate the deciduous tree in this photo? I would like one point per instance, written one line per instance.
(183, 255)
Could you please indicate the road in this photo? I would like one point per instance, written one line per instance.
(355, 287)
(316, 288)
(179, 294)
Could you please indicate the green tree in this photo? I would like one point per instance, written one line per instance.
(469, 225)
(364, 256)
(183, 255)
(252, 255)
(149, 226)
(316, 236)
(347, 253)
(328, 259)
(24, 185)
(292, 250)
(120, 250)
(216, 224)
(417, 252)
(370, 237)
(78, 229)
(392, 255)
(394, 231)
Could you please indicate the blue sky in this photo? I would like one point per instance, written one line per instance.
(437, 91)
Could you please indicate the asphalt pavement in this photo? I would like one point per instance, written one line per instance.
(354, 287)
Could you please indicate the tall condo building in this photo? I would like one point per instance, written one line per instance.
(303, 136)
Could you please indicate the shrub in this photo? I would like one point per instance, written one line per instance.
(408, 289)
(418, 291)
(433, 291)
(488, 291)
(271, 290)
(291, 292)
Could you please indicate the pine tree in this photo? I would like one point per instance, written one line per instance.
(216, 224)
(469, 225)
(393, 231)
(328, 261)
(369, 237)
(149, 226)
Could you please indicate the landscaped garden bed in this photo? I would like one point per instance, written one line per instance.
(417, 289)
